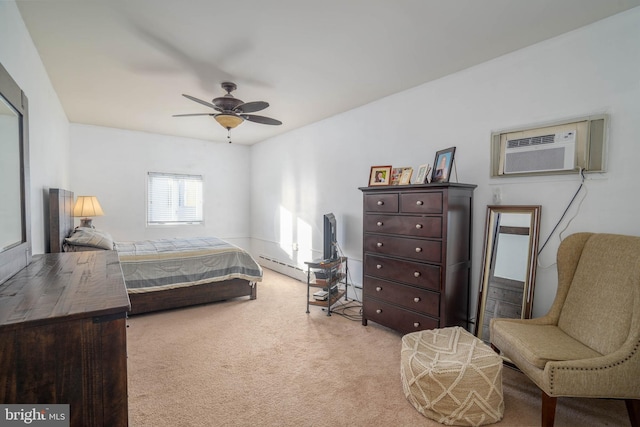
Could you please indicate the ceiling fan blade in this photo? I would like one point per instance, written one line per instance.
(200, 101)
(261, 119)
(251, 107)
(194, 114)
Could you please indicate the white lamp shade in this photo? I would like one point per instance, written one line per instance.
(87, 206)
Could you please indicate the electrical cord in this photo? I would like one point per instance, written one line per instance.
(565, 212)
(584, 196)
(342, 308)
(350, 280)
(346, 307)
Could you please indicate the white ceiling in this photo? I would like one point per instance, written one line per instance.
(125, 63)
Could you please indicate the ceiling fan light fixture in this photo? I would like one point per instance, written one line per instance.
(228, 121)
(232, 111)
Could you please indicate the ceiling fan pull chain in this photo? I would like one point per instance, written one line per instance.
(229, 135)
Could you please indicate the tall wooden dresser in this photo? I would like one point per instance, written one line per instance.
(63, 336)
(417, 255)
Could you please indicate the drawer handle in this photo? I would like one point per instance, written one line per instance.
(378, 288)
(418, 226)
(378, 311)
(418, 249)
(380, 203)
(416, 324)
(379, 244)
(416, 274)
(379, 266)
(419, 203)
(416, 299)
(379, 223)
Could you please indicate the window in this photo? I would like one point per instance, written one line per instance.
(174, 199)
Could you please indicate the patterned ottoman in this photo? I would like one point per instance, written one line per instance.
(452, 377)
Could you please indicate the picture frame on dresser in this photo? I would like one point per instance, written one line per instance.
(405, 178)
(442, 165)
(423, 172)
(395, 176)
(379, 176)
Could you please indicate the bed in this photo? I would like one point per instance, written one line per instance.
(165, 273)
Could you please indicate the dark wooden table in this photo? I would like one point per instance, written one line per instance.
(63, 336)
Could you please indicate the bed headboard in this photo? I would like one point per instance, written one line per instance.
(60, 217)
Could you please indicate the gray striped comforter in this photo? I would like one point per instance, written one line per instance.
(169, 263)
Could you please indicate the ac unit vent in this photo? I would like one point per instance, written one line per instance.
(541, 153)
(528, 142)
(537, 161)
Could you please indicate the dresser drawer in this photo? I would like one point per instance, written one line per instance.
(414, 273)
(418, 249)
(400, 319)
(419, 226)
(417, 299)
(424, 203)
(385, 202)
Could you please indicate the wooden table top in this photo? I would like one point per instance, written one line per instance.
(63, 286)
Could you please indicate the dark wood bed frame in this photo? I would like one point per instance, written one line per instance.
(61, 225)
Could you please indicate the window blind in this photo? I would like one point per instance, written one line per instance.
(174, 198)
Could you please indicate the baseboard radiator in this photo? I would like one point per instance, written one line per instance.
(282, 267)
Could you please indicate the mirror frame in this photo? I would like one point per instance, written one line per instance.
(488, 257)
(18, 256)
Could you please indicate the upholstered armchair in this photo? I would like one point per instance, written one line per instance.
(588, 344)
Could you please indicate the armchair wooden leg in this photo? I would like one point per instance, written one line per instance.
(548, 410)
(633, 408)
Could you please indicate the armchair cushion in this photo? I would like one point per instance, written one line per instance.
(538, 344)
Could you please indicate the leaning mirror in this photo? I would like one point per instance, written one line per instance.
(15, 230)
(10, 190)
(509, 265)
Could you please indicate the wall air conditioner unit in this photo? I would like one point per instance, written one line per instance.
(560, 147)
(544, 153)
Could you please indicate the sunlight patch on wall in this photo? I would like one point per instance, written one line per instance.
(286, 231)
(305, 240)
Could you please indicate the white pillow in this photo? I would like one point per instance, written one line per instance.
(90, 237)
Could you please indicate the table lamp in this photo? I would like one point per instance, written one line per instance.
(87, 206)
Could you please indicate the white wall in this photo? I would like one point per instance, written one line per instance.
(48, 127)
(112, 164)
(318, 169)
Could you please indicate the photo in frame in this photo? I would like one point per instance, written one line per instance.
(380, 175)
(395, 176)
(442, 165)
(405, 178)
(423, 173)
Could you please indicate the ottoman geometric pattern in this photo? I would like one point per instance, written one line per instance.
(452, 377)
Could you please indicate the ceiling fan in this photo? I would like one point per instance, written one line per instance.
(232, 111)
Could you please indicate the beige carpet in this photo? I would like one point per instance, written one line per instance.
(268, 363)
